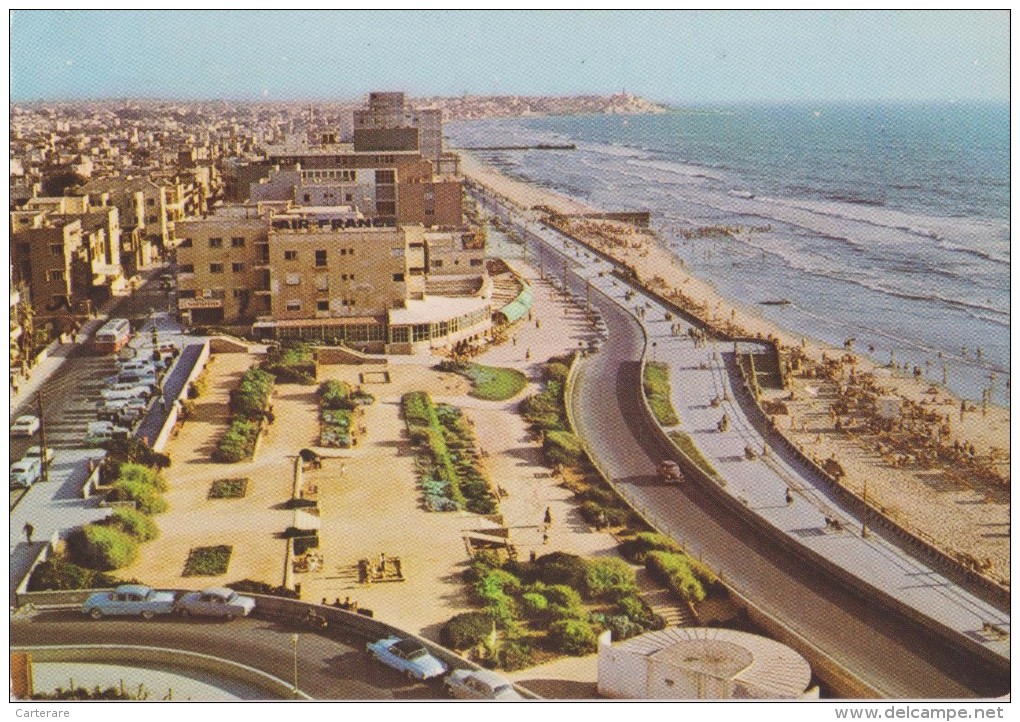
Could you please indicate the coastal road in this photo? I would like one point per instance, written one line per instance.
(331, 664)
(887, 650)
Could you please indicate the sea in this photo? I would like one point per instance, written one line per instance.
(885, 224)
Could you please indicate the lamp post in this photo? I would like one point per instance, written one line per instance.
(864, 515)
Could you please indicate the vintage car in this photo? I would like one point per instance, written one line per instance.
(99, 432)
(25, 426)
(25, 472)
(408, 656)
(479, 684)
(670, 471)
(129, 600)
(215, 602)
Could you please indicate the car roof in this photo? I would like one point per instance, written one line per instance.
(219, 591)
(409, 645)
(24, 463)
(133, 589)
(26, 418)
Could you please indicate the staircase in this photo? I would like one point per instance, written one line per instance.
(663, 601)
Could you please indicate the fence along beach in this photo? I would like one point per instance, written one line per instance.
(953, 488)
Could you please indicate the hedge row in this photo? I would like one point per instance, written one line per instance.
(292, 363)
(248, 403)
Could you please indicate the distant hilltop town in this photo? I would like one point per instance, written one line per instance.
(469, 107)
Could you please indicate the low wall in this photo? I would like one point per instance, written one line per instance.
(44, 553)
(339, 355)
(163, 437)
(164, 658)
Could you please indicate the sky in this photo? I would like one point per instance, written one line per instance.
(675, 57)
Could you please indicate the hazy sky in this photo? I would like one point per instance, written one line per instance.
(676, 56)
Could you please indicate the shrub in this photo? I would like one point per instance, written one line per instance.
(133, 523)
(252, 394)
(59, 574)
(637, 548)
(556, 372)
(573, 636)
(562, 447)
(137, 472)
(534, 605)
(208, 561)
(147, 498)
(465, 630)
(228, 488)
(102, 547)
(562, 568)
(238, 443)
(336, 395)
(657, 391)
(515, 654)
(623, 627)
(609, 577)
(132, 450)
(252, 586)
(684, 575)
(496, 582)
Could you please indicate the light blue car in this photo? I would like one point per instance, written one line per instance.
(408, 656)
(129, 600)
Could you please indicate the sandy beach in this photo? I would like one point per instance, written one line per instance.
(943, 473)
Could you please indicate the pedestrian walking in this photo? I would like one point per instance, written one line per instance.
(545, 537)
(29, 530)
(548, 516)
(789, 497)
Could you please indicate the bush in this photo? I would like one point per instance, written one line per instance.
(637, 548)
(132, 450)
(238, 443)
(336, 395)
(229, 488)
(562, 447)
(657, 391)
(496, 582)
(562, 568)
(146, 497)
(133, 523)
(573, 636)
(623, 627)
(137, 472)
(465, 630)
(251, 586)
(514, 655)
(684, 575)
(252, 394)
(609, 577)
(102, 547)
(556, 372)
(58, 574)
(534, 605)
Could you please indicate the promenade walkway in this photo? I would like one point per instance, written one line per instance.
(704, 372)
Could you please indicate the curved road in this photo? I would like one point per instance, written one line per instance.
(890, 652)
(332, 664)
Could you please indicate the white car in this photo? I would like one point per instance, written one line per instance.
(479, 684)
(137, 366)
(25, 472)
(35, 452)
(124, 392)
(25, 426)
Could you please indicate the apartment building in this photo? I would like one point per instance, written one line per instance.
(327, 272)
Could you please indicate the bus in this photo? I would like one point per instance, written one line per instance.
(113, 336)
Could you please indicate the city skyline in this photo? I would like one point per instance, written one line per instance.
(674, 57)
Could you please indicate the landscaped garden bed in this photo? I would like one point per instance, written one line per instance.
(657, 391)
(229, 488)
(249, 403)
(339, 410)
(208, 561)
(491, 383)
(448, 463)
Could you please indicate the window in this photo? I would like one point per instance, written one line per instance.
(150, 201)
(293, 305)
(57, 249)
(320, 258)
(24, 248)
(237, 267)
(237, 242)
(308, 197)
(398, 277)
(218, 293)
(185, 243)
(186, 268)
(186, 293)
(153, 219)
(322, 283)
(476, 261)
(385, 176)
(438, 263)
(290, 255)
(215, 268)
(240, 293)
(322, 305)
(293, 279)
(348, 197)
(215, 243)
(54, 275)
(343, 251)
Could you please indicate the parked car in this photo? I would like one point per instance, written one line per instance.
(25, 426)
(137, 365)
(36, 452)
(125, 391)
(129, 600)
(25, 472)
(479, 684)
(99, 432)
(408, 656)
(215, 602)
(134, 378)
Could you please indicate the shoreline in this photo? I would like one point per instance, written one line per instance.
(947, 501)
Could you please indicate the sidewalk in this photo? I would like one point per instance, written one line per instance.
(700, 374)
